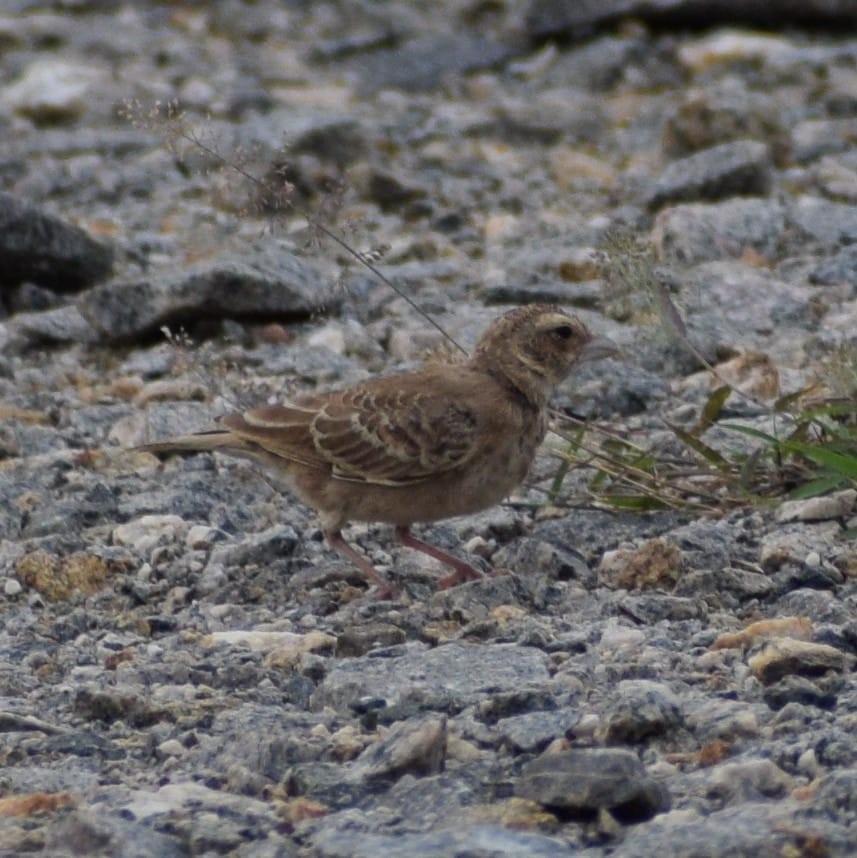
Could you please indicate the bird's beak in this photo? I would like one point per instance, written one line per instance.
(599, 348)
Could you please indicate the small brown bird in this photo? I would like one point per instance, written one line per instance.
(445, 440)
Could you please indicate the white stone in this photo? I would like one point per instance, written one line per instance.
(145, 533)
(200, 536)
(171, 748)
(52, 90)
(330, 336)
(823, 508)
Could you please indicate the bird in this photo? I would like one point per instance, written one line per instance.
(451, 438)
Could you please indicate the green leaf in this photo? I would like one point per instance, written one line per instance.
(753, 433)
(713, 407)
(783, 402)
(819, 486)
(749, 470)
(841, 463)
(708, 453)
(559, 476)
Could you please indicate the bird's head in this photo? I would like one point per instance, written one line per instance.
(536, 346)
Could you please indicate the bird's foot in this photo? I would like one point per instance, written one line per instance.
(384, 589)
(463, 571)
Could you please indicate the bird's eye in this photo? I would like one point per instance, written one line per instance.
(564, 332)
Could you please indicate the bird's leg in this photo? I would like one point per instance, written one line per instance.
(463, 571)
(337, 542)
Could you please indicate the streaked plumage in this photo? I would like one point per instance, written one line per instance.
(448, 439)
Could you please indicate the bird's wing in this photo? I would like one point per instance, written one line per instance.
(375, 433)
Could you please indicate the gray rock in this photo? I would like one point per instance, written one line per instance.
(753, 830)
(554, 115)
(823, 508)
(696, 232)
(798, 689)
(728, 587)
(88, 832)
(729, 720)
(813, 138)
(494, 841)
(268, 282)
(421, 64)
(447, 677)
(723, 111)
(839, 268)
(358, 641)
(837, 793)
(416, 746)
(585, 781)
(747, 780)
(279, 740)
(641, 708)
(38, 246)
(739, 168)
(656, 607)
(532, 732)
(49, 327)
(785, 656)
(53, 91)
(827, 222)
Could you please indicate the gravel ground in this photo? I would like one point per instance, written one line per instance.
(185, 668)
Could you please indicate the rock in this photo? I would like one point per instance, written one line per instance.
(655, 563)
(786, 656)
(830, 223)
(49, 327)
(585, 781)
(657, 607)
(696, 232)
(38, 246)
(143, 534)
(59, 578)
(794, 543)
(813, 138)
(760, 828)
(739, 168)
(641, 708)
(283, 649)
(753, 302)
(748, 780)
(726, 720)
(797, 689)
(728, 110)
(433, 679)
(822, 508)
(496, 841)
(266, 282)
(792, 627)
(52, 91)
(532, 732)
(421, 64)
(86, 832)
(417, 747)
(837, 793)
(553, 116)
(358, 641)
(841, 267)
